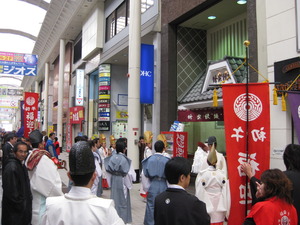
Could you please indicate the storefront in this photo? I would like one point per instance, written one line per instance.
(196, 109)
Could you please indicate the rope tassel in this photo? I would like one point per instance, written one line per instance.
(275, 97)
(215, 98)
(283, 106)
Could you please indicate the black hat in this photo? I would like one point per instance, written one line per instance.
(211, 140)
(35, 137)
(81, 159)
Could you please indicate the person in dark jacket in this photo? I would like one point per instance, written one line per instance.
(10, 140)
(175, 206)
(17, 197)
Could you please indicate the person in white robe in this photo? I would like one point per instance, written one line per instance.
(148, 141)
(95, 189)
(44, 178)
(120, 175)
(200, 158)
(221, 163)
(112, 147)
(212, 187)
(80, 206)
(103, 152)
(163, 138)
(147, 153)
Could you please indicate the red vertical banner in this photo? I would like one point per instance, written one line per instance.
(180, 144)
(237, 126)
(30, 111)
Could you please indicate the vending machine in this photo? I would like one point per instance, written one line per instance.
(177, 143)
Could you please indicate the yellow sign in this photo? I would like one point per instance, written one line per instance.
(104, 96)
(122, 115)
(50, 129)
(104, 74)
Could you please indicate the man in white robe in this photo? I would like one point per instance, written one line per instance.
(200, 158)
(221, 163)
(146, 154)
(44, 178)
(79, 206)
(212, 187)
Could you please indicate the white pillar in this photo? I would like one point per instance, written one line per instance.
(36, 86)
(157, 88)
(60, 90)
(46, 102)
(134, 106)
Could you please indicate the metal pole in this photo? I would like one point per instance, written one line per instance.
(247, 43)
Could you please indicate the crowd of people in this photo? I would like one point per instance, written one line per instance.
(32, 187)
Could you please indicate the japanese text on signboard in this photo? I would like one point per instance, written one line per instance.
(30, 112)
(18, 64)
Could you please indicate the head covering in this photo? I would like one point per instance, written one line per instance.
(212, 156)
(201, 145)
(35, 137)
(102, 138)
(148, 136)
(211, 140)
(162, 137)
(81, 159)
(112, 140)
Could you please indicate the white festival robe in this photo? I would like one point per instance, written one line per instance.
(45, 181)
(200, 158)
(80, 207)
(212, 187)
(96, 183)
(221, 163)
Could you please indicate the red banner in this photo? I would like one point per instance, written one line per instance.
(30, 112)
(76, 115)
(238, 123)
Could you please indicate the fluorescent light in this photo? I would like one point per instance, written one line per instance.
(211, 17)
(241, 2)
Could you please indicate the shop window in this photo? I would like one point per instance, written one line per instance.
(111, 26)
(146, 4)
(77, 51)
(119, 18)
